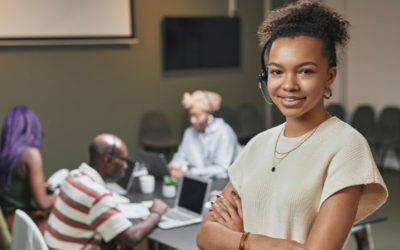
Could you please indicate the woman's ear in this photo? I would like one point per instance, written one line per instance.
(332, 72)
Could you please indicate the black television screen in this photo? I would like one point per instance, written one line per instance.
(201, 42)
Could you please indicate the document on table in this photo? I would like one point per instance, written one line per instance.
(134, 210)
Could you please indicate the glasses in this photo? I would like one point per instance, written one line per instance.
(125, 159)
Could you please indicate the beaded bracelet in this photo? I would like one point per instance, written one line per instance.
(243, 240)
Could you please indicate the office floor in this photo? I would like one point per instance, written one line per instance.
(386, 235)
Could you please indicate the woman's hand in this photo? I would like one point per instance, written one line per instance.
(173, 171)
(228, 212)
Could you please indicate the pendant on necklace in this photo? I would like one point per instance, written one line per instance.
(273, 169)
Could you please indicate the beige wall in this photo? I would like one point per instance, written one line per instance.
(80, 91)
(371, 64)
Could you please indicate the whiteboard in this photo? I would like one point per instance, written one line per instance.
(66, 21)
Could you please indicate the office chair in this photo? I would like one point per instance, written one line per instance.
(25, 233)
(336, 109)
(249, 122)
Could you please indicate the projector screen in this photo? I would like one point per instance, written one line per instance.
(66, 22)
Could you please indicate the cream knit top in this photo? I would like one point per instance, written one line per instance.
(284, 204)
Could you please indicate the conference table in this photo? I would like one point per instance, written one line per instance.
(184, 238)
(181, 238)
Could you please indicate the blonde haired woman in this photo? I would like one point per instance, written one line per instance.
(209, 145)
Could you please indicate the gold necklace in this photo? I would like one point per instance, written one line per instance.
(281, 156)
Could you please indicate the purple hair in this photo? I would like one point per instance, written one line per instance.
(21, 129)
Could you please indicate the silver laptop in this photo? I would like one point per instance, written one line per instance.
(124, 185)
(155, 163)
(189, 206)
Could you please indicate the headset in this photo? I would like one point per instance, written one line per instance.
(111, 154)
(212, 110)
(263, 76)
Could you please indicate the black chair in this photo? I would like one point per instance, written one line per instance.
(155, 133)
(227, 114)
(364, 121)
(249, 122)
(388, 133)
(336, 109)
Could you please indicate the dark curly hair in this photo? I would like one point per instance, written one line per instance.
(309, 18)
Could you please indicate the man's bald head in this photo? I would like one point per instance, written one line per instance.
(104, 145)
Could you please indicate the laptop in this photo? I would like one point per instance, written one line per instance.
(189, 206)
(124, 185)
(156, 163)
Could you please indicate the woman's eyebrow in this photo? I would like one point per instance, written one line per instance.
(298, 66)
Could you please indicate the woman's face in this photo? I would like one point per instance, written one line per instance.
(298, 74)
(198, 118)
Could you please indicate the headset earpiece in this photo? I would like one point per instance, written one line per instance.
(111, 154)
(212, 110)
(263, 76)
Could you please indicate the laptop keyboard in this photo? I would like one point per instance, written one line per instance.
(177, 216)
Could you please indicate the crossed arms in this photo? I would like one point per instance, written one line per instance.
(222, 227)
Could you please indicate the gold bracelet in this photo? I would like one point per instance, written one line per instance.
(243, 240)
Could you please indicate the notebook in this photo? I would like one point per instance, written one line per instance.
(155, 163)
(189, 206)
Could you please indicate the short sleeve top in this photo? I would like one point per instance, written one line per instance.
(284, 204)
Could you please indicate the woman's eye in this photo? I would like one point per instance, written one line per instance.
(275, 72)
(306, 71)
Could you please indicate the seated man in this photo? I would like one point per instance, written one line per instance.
(85, 214)
(209, 145)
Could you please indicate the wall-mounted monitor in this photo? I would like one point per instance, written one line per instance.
(200, 42)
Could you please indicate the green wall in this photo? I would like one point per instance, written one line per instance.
(80, 91)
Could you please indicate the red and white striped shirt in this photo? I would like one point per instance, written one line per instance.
(85, 213)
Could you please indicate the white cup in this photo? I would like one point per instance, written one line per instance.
(147, 184)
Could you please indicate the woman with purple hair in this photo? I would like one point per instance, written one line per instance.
(22, 185)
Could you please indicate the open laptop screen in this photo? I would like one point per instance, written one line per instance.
(192, 195)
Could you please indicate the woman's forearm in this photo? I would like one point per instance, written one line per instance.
(213, 235)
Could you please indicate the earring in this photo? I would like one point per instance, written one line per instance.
(327, 93)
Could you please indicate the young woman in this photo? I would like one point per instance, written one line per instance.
(302, 184)
(210, 145)
(21, 169)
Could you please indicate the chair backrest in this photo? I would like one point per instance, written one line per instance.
(336, 109)
(227, 114)
(155, 129)
(25, 233)
(389, 126)
(364, 121)
(249, 121)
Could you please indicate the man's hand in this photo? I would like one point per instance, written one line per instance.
(159, 206)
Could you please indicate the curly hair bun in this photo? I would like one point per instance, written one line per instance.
(310, 18)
